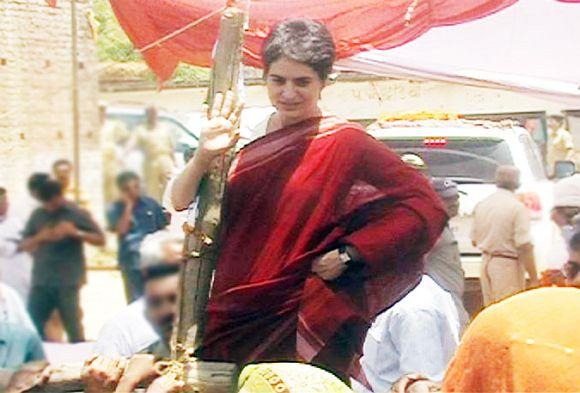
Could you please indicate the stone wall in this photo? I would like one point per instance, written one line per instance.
(35, 96)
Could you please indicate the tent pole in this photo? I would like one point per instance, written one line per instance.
(75, 101)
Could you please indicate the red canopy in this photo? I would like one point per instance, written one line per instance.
(357, 25)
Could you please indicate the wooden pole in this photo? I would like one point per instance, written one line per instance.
(201, 246)
(75, 100)
(200, 377)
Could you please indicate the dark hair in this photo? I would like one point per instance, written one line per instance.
(49, 190)
(574, 243)
(60, 162)
(36, 180)
(569, 212)
(301, 40)
(188, 154)
(126, 177)
(2, 191)
(158, 271)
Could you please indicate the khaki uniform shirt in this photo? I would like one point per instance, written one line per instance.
(501, 224)
(155, 142)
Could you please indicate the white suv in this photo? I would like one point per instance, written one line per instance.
(468, 152)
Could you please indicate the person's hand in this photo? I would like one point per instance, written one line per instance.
(140, 368)
(128, 202)
(65, 229)
(413, 383)
(30, 375)
(219, 133)
(47, 234)
(166, 384)
(102, 374)
(329, 266)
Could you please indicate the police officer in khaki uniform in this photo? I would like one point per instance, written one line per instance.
(501, 230)
(157, 143)
(560, 142)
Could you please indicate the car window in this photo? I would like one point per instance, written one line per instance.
(131, 121)
(181, 136)
(472, 160)
(533, 156)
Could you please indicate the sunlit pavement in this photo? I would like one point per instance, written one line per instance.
(101, 298)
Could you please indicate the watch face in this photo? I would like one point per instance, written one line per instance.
(344, 257)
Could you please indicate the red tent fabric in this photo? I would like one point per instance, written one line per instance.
(357, 25)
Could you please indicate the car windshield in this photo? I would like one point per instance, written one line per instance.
(472, 160)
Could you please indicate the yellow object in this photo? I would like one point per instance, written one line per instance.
(415, 116)
(288, 378)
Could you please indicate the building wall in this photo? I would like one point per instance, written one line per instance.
(35, 95)
(362, 99)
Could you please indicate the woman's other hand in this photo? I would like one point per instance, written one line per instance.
(219, 134)
(329, 266)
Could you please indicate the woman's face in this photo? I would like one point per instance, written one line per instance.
(294, 89)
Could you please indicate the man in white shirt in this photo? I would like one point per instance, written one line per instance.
(417, 335)
(443, 262)
(127, 333)
(130, 331)
(15, 266)
(12, 309)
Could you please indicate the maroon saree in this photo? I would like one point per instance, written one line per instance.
(296, 194)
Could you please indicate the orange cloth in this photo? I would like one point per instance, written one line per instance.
(527, 343)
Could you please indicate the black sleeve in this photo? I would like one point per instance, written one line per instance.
(85, 222)
(31, 227)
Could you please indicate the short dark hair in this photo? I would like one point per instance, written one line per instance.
(158, 271)
(188, 154)
(60, 162)
(569, 212)
(301, 40)
(49, 190)
(36, 180)
(2, 191)
(574, 243)
(125, 177)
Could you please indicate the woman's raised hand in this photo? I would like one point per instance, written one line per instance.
(219, 134)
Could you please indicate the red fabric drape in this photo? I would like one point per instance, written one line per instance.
(293, 195)
(356, 25)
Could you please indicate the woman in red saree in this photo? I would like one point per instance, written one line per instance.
(324, 227)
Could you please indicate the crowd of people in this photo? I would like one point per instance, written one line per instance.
(333, 252)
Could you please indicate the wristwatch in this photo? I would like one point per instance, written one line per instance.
(344, 256)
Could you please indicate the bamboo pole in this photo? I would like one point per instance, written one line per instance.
(75, 100)
(201, 377)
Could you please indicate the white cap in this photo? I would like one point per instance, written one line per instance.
(567, 192)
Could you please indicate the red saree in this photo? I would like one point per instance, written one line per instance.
(293, 195)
